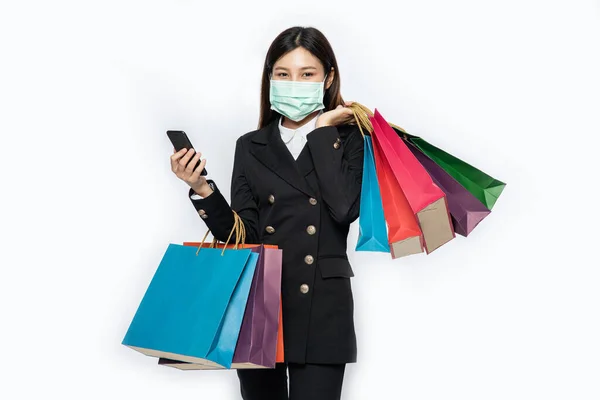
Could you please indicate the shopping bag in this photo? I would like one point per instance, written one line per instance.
(404, 235)
(258, 340)
(182, 313)
(280, 354)
(372, 229)
(280, 348)
(229, 246)
(257, 344)
(193, 366)
(426, 199)
(466, 211)
(484, 187)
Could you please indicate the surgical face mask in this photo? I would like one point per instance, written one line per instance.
(296, 100)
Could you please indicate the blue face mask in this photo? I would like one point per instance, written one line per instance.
(296, 100)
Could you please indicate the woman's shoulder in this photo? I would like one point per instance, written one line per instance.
(347, 131)
(259, 135)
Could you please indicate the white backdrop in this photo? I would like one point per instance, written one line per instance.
(89, 204)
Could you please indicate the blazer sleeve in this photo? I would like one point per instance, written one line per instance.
(339, 170)
(217, 213)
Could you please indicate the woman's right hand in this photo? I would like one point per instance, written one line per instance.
(184, 169)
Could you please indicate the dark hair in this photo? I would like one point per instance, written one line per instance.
(317, 44)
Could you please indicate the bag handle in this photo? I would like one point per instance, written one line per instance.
(240, 235)
(361, 116)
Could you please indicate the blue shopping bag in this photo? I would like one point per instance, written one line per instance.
(372, 227)
(182, 314)
(223, 348)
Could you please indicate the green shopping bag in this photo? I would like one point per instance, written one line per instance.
(485, 188)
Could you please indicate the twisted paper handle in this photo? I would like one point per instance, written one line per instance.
(240, 235)
(361, 116)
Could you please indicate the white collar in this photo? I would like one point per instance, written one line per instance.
(287, 133)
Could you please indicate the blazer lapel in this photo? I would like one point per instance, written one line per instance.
(304, 162)
(269, 149)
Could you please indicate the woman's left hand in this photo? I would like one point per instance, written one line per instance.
(339, 116)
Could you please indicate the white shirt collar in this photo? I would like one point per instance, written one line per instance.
(287, 133)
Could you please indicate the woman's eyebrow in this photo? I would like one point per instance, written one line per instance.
(303, 68)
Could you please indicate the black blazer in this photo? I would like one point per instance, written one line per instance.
(305, 206)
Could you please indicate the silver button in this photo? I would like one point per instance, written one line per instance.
(311, 230)
(271, 199)
(201, 212)
(204, 216)
(313, 201)
(304, 288)
(309, 259)
(270, 229)
(336, 145)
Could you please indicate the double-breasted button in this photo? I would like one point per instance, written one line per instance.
(304, 288)
(337, 143)
(270, 229)
(313, 201)
(311, 230)
(204, 216)
(309, 259)
(271, 199)
(201, 212)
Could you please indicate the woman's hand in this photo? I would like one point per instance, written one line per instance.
(339, 116)
(184, 169)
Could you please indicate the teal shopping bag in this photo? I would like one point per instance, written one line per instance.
(182, 314)
(223, 349)
(372, 227)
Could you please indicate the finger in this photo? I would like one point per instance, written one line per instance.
(339, 107)
(175, 161)
(345, 112)
(190, 166)
(177, 155)
(186, 158)
(348, 115)
(196, 174)
(349, 103)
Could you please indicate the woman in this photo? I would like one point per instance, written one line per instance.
(296, 183)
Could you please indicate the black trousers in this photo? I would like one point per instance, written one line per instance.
(307, 382)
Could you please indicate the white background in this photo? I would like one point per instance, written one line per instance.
(89, 204)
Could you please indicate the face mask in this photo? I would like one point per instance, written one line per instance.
(296, 100)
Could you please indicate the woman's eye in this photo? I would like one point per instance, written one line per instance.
(282, 74)
(308, 74)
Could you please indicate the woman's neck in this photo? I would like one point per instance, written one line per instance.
(288, 123)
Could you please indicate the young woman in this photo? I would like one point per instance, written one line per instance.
(296, 183)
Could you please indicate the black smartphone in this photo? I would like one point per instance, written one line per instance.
(180, 140)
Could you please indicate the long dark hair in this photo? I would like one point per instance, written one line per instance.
(317, 44)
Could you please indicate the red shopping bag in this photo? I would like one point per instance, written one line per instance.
(427, 201)
(404, 235)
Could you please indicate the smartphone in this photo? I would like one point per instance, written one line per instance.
(180, 140)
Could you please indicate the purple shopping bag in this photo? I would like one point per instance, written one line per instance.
(257, 341)
(257, 344)
(465, 209)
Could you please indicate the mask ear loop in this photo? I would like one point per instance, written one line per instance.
(325, 80)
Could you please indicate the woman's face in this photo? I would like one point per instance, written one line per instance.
(300, 65)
